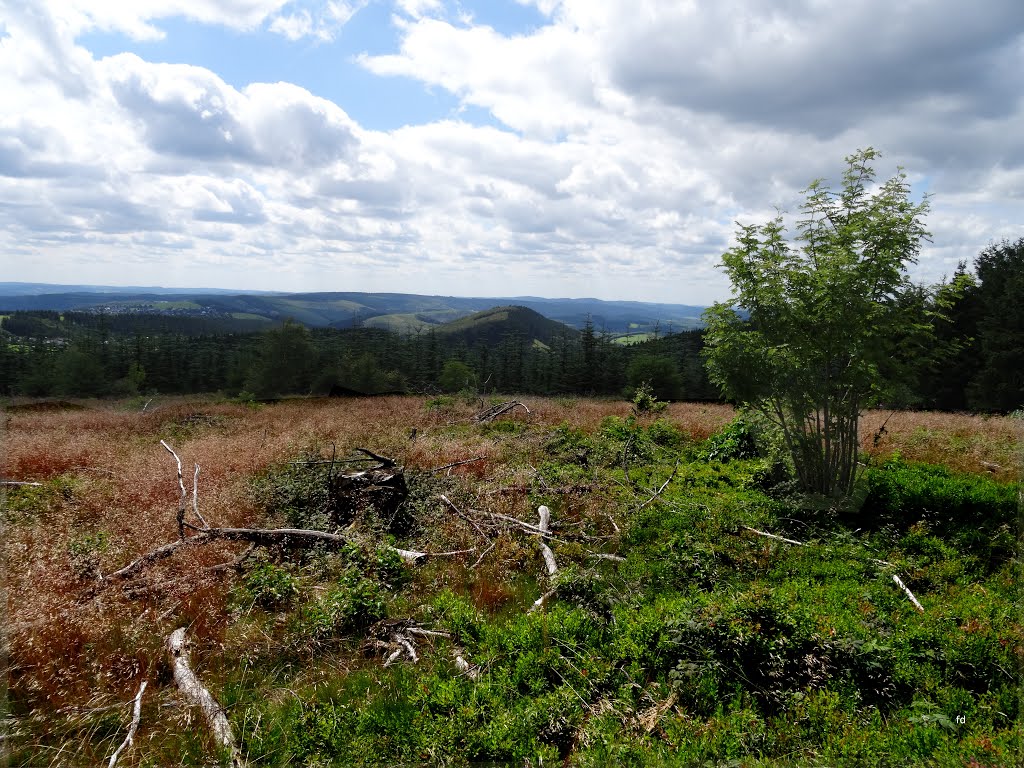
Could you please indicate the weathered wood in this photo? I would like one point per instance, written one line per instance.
(539, 602)
(455, 464)
(22, 483)
(184, 493)
(901, 585)
(492, 413)
(197, 694)
(136, 719)
(662, 489)
(549, 557)
(772, 536)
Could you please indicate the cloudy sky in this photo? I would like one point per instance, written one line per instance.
(556, 148)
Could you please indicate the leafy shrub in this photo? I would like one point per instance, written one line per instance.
(569, 445)
(457, 615)
(665, 434)
(440, 403)
(974, 513)
(299, 492)
(645, 401)
(268, 586)
(352, 603)
(736, 440)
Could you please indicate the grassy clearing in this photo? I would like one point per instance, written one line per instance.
(708, 644)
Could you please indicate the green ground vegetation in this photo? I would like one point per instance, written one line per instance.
(708, 644)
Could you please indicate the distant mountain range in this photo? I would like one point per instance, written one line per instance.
(392, 311)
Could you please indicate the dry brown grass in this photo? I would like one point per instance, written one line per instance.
(114, 479)
(963, 442)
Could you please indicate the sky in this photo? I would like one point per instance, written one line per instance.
(558, 148)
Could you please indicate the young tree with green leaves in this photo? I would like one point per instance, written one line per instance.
(828, 316)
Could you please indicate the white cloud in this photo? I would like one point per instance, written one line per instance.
(629, 137)
(418, 8)
(323, 22)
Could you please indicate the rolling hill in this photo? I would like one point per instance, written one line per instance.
(492, 325)
(398, 312)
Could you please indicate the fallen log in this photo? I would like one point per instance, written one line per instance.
(197, 694)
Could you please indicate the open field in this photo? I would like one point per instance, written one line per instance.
(706, 642)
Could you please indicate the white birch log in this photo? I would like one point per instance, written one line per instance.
(197, 695)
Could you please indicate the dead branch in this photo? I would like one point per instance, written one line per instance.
(772, 536)
(649, 719)
(909, 594)
(184, 493)
(492, 413)
(195, 498)
(384, 461)
(136, 718)
(149, 558)
(458, 512)
(469, 670)
(660, 490)
(395, 638)
(294, 538)
(198, 695)
(19, 482)
(455, 464)
(527, 526)
(895, 578)
(549, 556)
(539, 602)
(483, 555)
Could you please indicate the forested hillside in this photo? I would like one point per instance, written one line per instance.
(47, 354)
(976, 363)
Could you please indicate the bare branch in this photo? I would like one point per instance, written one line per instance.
(383, 460)
(136, 717)
(455, 464)
(772, 536)
(184, 496)
(549, 557)
(458, 512)
(659, 491)
(539, 602)
(492, 413)
(909, 594)
(482, 556)
(195, 499)
(18, 482)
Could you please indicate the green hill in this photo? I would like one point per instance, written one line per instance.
(493, 325)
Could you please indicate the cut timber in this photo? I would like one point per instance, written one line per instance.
(492, 413)
(196, 693)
